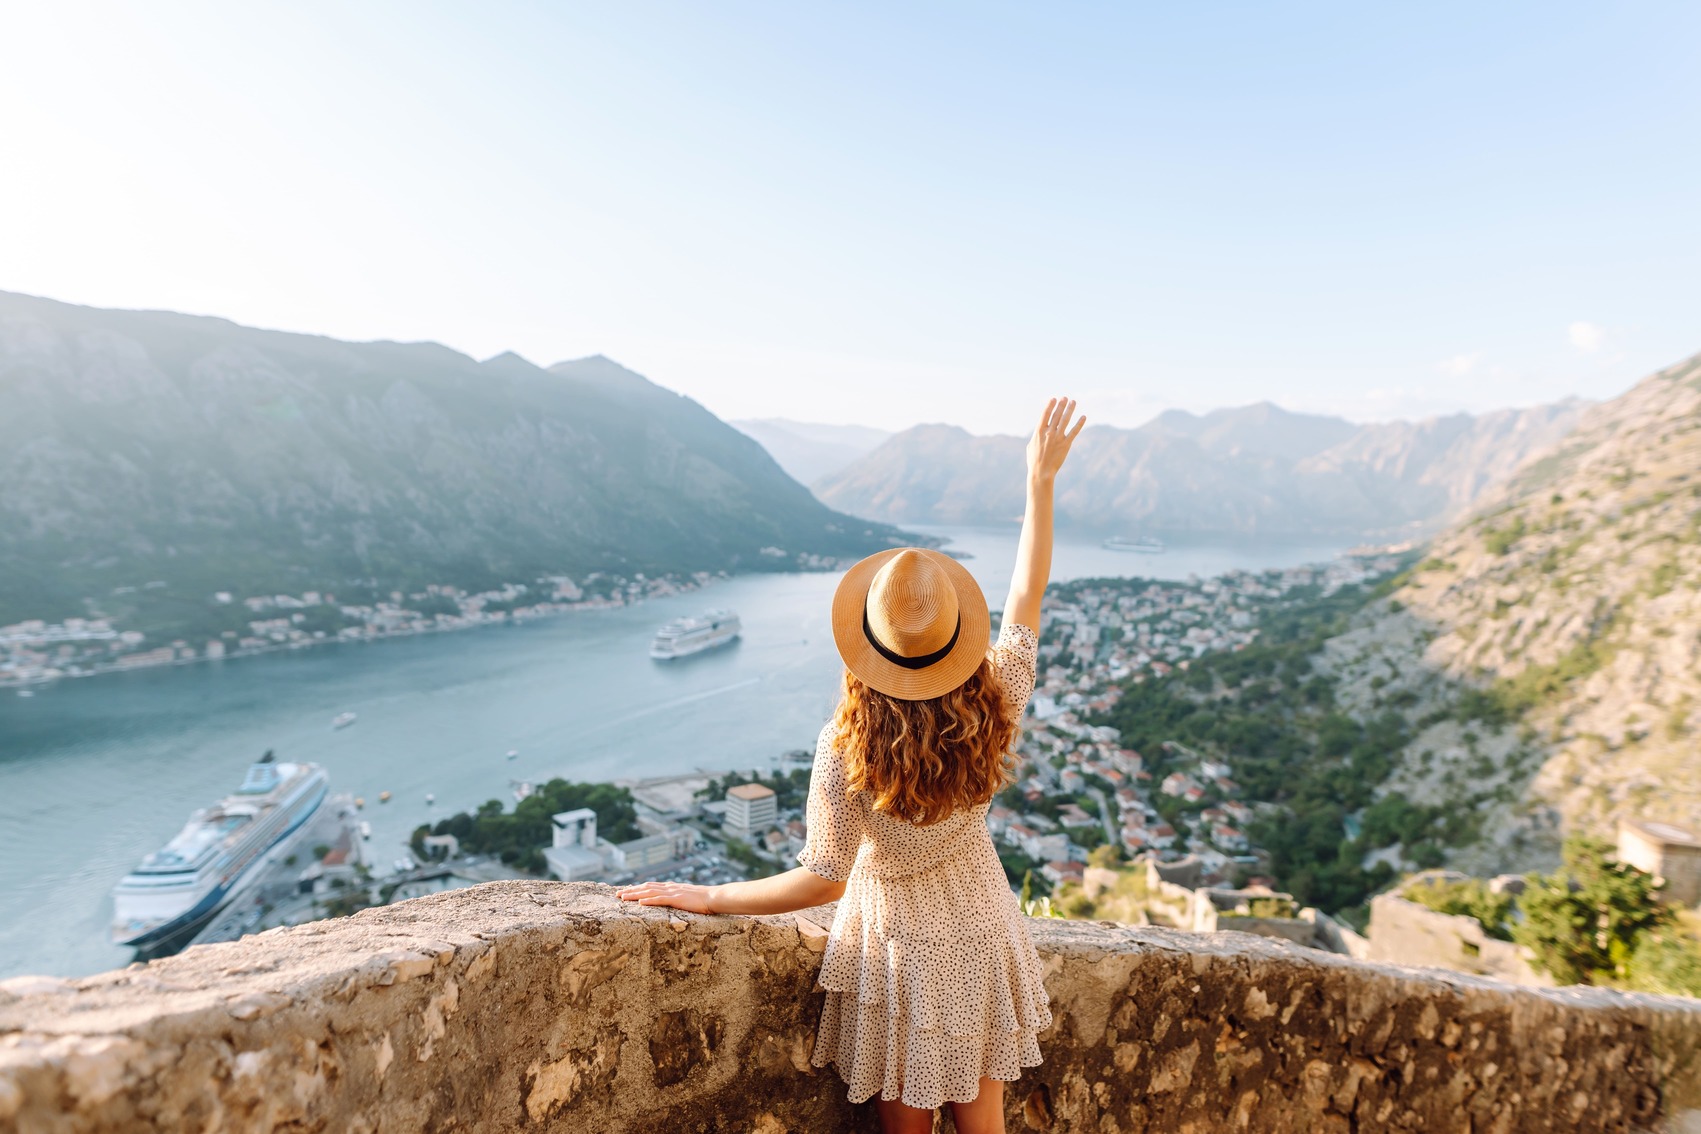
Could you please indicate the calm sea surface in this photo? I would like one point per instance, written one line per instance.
(96, 773)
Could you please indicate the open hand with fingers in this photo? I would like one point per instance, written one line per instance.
(1052, 438)
(679, 895)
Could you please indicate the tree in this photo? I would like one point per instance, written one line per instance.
(518, 837)
(1584, 921)
(1666, 962)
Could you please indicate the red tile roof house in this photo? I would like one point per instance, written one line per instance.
(1228, 837)
(1057, 873)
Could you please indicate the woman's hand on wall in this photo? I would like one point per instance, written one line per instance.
(679, 895)
(796, 889)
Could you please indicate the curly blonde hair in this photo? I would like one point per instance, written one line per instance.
(924, 760)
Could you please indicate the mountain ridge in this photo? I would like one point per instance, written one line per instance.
(190, 450)
(1249, 469)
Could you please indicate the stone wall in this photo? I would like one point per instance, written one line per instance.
(1337, 938)
(1405, 933)
(519, 1006)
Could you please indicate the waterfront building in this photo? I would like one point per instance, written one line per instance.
(573, 854)
(578, 854)
(751, 809)
(669, 844)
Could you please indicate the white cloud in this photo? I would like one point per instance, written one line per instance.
(1587, 337)
(1460, 364)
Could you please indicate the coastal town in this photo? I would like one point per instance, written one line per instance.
(1081, 800)
(1077, 788)
(34, 652)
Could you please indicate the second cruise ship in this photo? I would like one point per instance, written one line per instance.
(686, 636)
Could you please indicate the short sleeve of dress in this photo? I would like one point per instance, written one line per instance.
(1015, 657)
(834, 823)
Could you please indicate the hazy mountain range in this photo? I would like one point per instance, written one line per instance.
(150, 447)
(810, 451)
(1253, 469)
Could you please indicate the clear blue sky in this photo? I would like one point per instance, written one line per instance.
(890, 213)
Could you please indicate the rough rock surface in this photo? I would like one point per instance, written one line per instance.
(1577, 597)
(550, 1006)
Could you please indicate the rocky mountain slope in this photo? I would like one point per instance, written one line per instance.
(143, 448)
(1575, 601)
(1253, 469)
(808, 450)
(1542, 658)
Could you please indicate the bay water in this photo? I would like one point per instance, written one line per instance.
(97, 772)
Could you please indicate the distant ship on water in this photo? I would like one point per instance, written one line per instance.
(686, 636)
(1144, 545)
(177, 890)
(343, 720)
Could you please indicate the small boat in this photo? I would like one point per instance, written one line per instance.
(365, 829)
(513, 752)
(1144, 545)
(522, 789)
(359, 802)
(383, 797)
(343, 720)
(430, 798)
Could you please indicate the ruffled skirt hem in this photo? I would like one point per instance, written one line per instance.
(930, 1068)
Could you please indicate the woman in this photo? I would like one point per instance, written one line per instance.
(933, 986)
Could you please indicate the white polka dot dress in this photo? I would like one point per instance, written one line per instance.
(932, 981)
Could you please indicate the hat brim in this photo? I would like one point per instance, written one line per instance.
(974, 636)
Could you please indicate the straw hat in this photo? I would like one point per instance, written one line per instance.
(911, 623)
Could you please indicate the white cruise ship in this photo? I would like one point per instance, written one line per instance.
(221, 850)
(686, 636)
(1144, 545)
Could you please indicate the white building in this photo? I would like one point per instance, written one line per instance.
(1046, 848)
(573, 855)
(751, 809)
(650, 850)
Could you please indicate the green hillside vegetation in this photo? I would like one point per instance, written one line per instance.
(1275, 718)
(518, 837)
(1594, 920)
(152, 459)
(1585, 922)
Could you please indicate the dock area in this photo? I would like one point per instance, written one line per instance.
(298, 883)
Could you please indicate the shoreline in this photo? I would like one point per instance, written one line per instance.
(26, 687)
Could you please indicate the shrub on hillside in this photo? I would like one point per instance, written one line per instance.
(1585, 921)
(1667, 962)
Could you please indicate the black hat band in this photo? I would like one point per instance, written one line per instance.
(897, 659)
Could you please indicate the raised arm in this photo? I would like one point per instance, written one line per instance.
(1046, 451)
